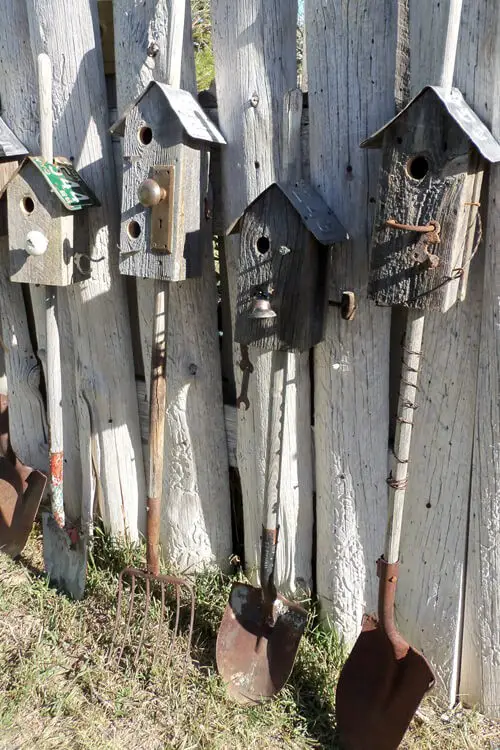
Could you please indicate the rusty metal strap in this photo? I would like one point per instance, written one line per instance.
(430, 227)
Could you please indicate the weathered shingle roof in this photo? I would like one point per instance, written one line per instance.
(463, 115)
(193, 119)
(316, 215)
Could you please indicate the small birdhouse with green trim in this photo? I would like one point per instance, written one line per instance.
(47, 223)
(286, 236)
(166, 140)
(427, 224)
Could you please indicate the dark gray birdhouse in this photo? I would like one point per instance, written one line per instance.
(427, 224)
(47, 223)
(286, 234)
(11, 147)
(164, 131)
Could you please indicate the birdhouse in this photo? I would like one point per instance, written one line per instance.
(165, 134)
(427, 224)
(11, 147)
(285, 239)
(47, 223)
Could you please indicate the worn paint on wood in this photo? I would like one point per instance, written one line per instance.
(480, 664)
(351, 91)
(196, 528)
(428, 174)
(255, 59)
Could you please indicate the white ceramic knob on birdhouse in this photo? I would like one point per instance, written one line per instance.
(36, 243)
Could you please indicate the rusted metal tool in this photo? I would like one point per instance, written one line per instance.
(260, 630)
(21, 491)
(154, 583)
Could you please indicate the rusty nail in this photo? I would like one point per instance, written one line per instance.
(254, 99)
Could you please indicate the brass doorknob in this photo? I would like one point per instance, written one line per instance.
(150, 193)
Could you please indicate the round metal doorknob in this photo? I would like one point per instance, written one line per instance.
(150, 193)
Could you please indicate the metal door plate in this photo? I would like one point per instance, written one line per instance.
(162, 223)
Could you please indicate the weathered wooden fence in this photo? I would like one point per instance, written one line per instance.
(362, 60)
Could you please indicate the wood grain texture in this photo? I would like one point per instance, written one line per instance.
(295, 266)
(102, 358)
(196, 528)
(480, 665)
(429, 602)
(351, 48)
(255, 61)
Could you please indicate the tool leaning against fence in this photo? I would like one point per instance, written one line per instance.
(161, 239)
(419, 260)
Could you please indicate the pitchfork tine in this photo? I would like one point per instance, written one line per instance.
(129, 615)
(144, 623)
(162, 617)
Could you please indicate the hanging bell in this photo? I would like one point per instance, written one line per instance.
(261, 305)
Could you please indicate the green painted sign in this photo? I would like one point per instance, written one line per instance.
(66, 183)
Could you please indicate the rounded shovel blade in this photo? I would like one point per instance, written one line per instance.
(379, 689)
(21, 492)
(255, 657)
(65, 559)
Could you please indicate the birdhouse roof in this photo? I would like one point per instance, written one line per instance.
(456, 106)
(317, 217)
(191, 116)
(63, 180)
(10, 146)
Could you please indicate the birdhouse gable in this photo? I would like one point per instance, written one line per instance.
(316, 216)
(195, 124)
(459, 111)
(11, 147)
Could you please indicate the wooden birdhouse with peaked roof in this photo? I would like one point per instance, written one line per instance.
(427, 224)
(11, 147)
(285, 239)
(164, 131)
(47, 223)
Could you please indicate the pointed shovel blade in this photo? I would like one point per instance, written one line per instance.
(65, 557)
(379, 689)
(21, 491)
(255, 658)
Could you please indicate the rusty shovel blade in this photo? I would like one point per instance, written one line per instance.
(383, 680)
(20, 496)
(65, 557)
(255, 656)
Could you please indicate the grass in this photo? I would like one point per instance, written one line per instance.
(57, 690)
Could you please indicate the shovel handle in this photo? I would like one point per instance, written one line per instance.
(270, 526)
(54, 407)
(157, 411)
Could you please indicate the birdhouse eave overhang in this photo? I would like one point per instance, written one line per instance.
(317, 217)
(11, 147)
(63, 180)
(187, 110)
(458, 109)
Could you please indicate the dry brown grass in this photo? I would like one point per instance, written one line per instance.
(57, 691)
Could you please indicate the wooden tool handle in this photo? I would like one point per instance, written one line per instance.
(157, 413)
(45, 106)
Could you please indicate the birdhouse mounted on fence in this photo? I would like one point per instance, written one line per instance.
(47, 223)
(163, 132)
(11, 147)
(286, 234)
(427, 225)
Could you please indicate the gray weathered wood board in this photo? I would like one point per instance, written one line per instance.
(196, 527)
(254, 48)
(351, 50)
(443, 194)
(296, 266)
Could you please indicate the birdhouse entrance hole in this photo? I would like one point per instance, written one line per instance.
(263, 245)
(145, 135)
(417, 167)
(134, 229)
(28, 205)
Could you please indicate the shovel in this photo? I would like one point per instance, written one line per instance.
(64, 548)
(260, 630)
(21, 489)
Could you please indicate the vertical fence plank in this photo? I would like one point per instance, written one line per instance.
(480, 667)
(255, 59)
(102, 358)
(431, 587)
(196, 524)
(351, 49)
